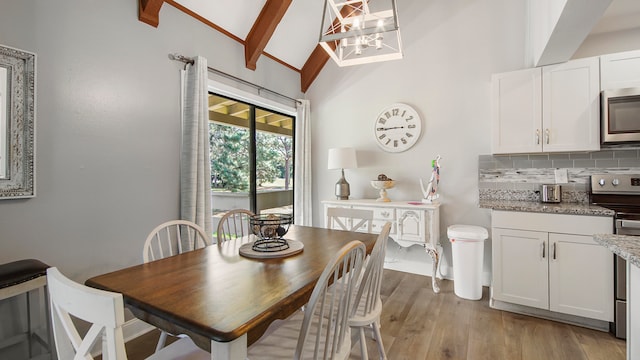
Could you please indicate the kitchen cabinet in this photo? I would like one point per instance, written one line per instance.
(411, 224)
(620, 70)
(550, 262)
(553, 108)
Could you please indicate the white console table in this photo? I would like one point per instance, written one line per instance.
(411, 224)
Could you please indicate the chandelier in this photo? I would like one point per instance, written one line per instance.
(360, 32)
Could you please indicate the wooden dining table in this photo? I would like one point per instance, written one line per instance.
(221, 299)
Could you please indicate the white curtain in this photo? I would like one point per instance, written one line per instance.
(195, 167)
(302, 176)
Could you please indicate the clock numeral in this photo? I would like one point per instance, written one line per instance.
(409, 118)
(404, 141)
(388, 141)
(404, 112)
(395, 143)
(395, 111)
(382, 136)
(382, 121)
(409, 135)
(411, 126)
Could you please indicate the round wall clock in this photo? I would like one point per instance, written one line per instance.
(397, 127)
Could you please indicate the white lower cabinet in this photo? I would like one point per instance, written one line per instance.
(550, 262)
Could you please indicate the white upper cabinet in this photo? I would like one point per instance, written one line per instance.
(571, 106)
(620, 70)
(517, 111)
(549, 109)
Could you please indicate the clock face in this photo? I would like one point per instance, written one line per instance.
(397, 127)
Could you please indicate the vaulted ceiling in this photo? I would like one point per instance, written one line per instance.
(265, 28)
(287, 31)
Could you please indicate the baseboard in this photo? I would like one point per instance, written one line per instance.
(425, 267)
(550, 315)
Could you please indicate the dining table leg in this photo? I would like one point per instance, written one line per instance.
(232, 350)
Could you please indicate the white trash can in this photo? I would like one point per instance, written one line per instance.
(467, 244)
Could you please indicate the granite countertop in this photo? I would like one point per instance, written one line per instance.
(551, 208)
(627, 246)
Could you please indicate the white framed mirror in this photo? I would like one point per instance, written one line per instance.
(17, 123)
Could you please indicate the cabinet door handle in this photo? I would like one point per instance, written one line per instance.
(537, 136)
(544, 246)
(547, 135)
(554, 251)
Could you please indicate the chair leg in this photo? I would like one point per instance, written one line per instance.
(378, 336)
(161, 341)
(47, 315)
(363, 344)
(29, 327)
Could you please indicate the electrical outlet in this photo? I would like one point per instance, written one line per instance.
(562, 176)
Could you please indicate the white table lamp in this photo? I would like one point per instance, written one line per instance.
(342, 158)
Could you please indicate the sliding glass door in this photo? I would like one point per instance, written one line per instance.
(251, 157)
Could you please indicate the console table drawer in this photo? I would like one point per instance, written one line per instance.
(386, 214)
(376, 226)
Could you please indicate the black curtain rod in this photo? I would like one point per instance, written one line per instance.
(190, 61)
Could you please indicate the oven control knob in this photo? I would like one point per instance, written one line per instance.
(615, 182)
(601, 182)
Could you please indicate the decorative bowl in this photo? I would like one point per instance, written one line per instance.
(383, 185)
(270, 228)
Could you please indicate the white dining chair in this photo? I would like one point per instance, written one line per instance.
(104, 311)
(368, 306)
(349, 219)
(321, 331)
(234, 224)
(172, 238)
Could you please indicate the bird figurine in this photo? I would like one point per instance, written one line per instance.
(431, 192)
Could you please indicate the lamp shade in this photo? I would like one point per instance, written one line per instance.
(342, 158)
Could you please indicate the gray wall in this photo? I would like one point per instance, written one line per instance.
(108, 126)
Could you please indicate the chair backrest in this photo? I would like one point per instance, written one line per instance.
(325, 325)
(172, 238)
(234, 224)
(368, 297)
(104, 310)
(349, 219)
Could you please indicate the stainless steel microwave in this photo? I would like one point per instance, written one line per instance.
(620, 116)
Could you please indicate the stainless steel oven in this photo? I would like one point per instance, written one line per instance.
(621, 193)
(620, 113)
(626, 224)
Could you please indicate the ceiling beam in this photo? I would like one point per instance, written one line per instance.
(262, 30)
(149, 11)
(319, 57)
(312, 67)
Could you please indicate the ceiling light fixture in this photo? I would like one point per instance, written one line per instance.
(360, 32)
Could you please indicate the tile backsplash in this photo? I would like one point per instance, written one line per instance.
(518, 177)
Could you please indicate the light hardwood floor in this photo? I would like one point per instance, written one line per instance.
(418, 324)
